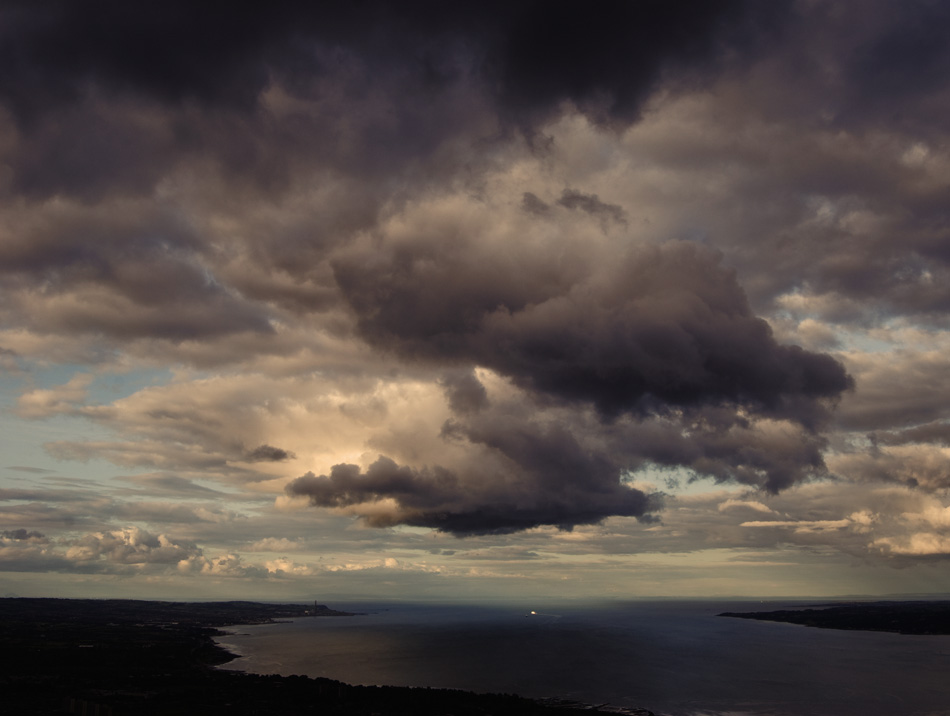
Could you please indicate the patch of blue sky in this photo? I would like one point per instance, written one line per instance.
(105, 386)
(676, 480)
(22, 446)
(22, 440)
(862, 341)
(108, 387)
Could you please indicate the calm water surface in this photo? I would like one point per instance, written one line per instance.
(675, 658)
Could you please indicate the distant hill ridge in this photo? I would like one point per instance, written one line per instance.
(213, 614)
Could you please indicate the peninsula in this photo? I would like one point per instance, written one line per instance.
(904, 617)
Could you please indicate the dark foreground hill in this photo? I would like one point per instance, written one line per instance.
(900, 617)
(125, 657)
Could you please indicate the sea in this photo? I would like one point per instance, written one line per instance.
(675, 658)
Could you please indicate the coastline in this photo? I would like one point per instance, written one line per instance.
(232, 650)
(674, 657)
(159, 658)
(561, 705)
(918, 618)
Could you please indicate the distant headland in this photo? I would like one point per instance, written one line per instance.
(912, 617)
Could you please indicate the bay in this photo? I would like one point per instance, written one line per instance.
(676, 658)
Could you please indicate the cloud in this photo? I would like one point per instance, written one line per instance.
(591, 204)
(139, 277)
(46, 402)
(932, 515)
(921, 544)
(284, 566)
(904, 63)
(517, 463)
(732, 504)
(927, 534)
(9, 360)
(131, 545)
(268, 453)
(276, 544)
(491, 269)
(22, 535)
(29, 553)
(898, 389)
(606, 59)
(465, 392)
(665, 326)
(440, 499)
(936, 432)
(803, 526)
(225, 565)
(142, 453)
(922, 466)
(173, 513)
(533, 205)
(174, 484)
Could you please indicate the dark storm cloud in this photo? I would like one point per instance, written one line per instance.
(112, 101)
(302, 128)
(173, 50)
(861, 92)
(109, 98)
(76, 243)
(666, 326)
(527, 464)
(904, 67)
(771, 461)
(465, 392)
(711, 442)
(93, 150)
(553, 488)
(133, 273)
(268, 453)
(605, 56)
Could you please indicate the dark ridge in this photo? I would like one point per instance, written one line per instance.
(117, 657)
(127, 611)
(899, 617)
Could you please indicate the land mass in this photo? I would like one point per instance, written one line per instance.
(115, 657)
(930, 617)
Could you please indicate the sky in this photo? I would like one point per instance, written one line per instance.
(497, 300)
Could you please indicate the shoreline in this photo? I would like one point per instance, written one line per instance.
(150, 658)
(916, 618)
